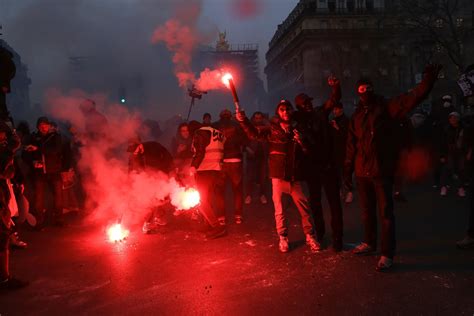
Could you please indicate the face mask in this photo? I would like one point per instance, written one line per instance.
(447, 104)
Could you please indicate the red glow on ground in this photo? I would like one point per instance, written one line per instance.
(117, 233)
(415, 164)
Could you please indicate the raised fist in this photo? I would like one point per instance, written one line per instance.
(332, 80)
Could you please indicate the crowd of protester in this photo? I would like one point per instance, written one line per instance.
(297, 152)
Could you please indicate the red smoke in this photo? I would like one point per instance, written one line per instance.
(181, 36)
(246, 8)
(112, 192)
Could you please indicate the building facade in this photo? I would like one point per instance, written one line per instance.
(352, 39)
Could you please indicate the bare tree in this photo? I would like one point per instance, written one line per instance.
(443, 22)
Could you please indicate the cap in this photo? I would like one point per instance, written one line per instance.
(446, 97)
(455, 114)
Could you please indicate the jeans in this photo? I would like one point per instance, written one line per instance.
(299, 193)
(232, 171)
(207, 183)
(329, 180)
(375, 192)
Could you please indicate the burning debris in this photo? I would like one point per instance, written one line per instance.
(117, 233)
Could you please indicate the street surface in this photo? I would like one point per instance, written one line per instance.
(75, 270)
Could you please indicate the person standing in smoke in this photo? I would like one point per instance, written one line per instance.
(45, 153)
(9, 143)
(257, 156)
(287, 152)
(232, 167)
(206, 166)
(340, 126)
(372, 154)
(150, 157)
(320, 163)
(181, 149)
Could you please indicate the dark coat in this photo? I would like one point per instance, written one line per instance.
(50, 152)
(286, 156)
(339, 137)
(372, 145)
(155, 157)
(235, 138)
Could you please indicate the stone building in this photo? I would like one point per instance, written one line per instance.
(351, 39)
(18, 101)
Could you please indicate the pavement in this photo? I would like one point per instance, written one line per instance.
(75, 270)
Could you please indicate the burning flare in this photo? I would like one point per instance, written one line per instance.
(226, 79)
(117, 233)
(185, 199)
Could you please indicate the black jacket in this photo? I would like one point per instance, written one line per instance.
(155, 157)
(286, 156)
(372, 145)
(50, 152)
(339, 136)
(235, 138)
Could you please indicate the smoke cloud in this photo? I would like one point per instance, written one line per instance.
(112, 192)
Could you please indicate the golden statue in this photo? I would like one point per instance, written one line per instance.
(222, 45)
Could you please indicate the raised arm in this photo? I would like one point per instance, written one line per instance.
(400, 106)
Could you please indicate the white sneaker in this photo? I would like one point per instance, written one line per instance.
(461, 192)
(263, 199)
(312, 243)
(248, 199)
(349, 198)
(284, 246)
(466, 243)
(444, 191)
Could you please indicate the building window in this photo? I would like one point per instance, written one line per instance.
(459, 22)
(332, 5)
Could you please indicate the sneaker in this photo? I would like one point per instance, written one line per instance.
(384, 264)
(221, 221)
(248, 199)
(263, 199)
(349, 198)
(444, 191)
(284, 246)
(363, 249)
(312, 243)
(11, 284)
(466, 243)
(461, 192)
(16, 242)
(216, 232)
(238, 219)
